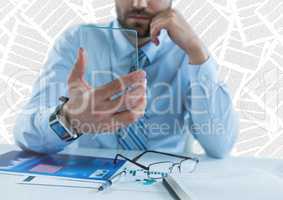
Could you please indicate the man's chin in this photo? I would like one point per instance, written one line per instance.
(143, 35)
(141, 29)
(142, 32)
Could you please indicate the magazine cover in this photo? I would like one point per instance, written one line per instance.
(61, 165)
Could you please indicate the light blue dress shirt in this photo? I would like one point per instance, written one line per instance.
(185, 101)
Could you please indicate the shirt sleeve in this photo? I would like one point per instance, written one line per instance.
(212, 119)
(32, 131)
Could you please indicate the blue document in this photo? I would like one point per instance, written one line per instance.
(60, 165)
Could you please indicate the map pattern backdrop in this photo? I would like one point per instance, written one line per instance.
(245, 36)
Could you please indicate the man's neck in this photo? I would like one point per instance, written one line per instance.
(143, 41)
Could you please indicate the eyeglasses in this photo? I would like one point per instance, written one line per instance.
(158, 170)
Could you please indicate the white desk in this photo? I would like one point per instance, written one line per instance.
(10, 190)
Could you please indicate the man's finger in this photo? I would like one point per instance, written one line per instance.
(125, 102)
(78, 71)
(155, 32)
(130, 116)
(125, 118)
(119, 85)
(140, 107)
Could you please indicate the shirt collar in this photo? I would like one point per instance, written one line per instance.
(123, 45)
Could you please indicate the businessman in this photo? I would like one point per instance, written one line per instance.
(170, 98)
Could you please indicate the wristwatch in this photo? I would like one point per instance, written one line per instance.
(58, 126)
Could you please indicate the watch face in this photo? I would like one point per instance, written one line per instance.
(59, 130)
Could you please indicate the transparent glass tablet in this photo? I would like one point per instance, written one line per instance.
(111, 53)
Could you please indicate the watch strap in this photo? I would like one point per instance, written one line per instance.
(60, 129)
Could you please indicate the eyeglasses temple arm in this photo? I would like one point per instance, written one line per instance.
(131, 161)
(167, 154)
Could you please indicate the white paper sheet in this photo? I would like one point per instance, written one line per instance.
(233, 185)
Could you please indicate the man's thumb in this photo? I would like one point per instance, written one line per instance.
(78, 71)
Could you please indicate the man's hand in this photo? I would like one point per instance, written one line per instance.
(181, 33)
(94, 111)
